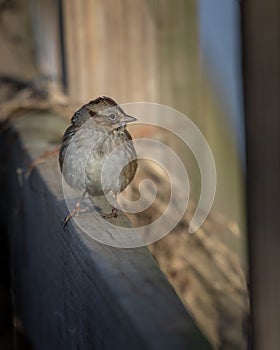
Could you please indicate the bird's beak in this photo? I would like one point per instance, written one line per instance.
(129, 119)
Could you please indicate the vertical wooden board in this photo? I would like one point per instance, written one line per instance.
(261, 28)
(112, 51)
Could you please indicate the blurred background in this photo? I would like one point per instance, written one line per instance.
(185, 54)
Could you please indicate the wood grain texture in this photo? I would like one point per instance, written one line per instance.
(72, 292)
(133, 51)
(110, 48)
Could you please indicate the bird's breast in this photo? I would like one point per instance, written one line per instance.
(111, 164)
(98, 161)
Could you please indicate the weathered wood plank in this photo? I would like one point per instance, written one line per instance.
(261, 28)
(72, 292)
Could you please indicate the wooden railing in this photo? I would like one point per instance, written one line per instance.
(70, 291)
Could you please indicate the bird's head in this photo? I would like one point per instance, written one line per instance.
(108, 114)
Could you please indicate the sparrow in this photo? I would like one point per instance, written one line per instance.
(97, 129)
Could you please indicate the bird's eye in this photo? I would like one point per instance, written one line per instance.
(113, 117)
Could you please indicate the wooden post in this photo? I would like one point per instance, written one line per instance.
(261, 28)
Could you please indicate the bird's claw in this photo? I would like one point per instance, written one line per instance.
(113, 214)
(77, 210)
(65, 221)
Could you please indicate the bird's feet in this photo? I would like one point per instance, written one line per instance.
(113, 214)
(77, 210)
